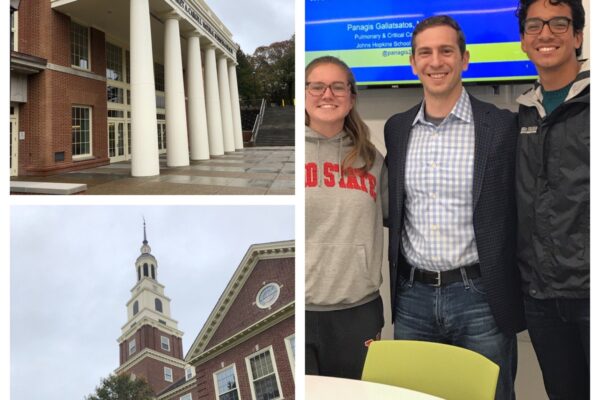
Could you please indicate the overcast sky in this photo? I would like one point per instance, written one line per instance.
(256, 23)
(72, 269)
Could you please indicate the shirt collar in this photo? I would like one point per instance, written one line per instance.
(462, 110)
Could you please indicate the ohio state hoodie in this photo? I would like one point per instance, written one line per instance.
(344, 225)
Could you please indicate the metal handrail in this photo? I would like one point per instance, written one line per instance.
(258, 120)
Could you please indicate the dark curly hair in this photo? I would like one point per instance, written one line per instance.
(577, 12)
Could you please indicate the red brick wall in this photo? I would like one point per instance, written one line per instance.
(149, 337)
(273, 336)
(153, 371)
(46, 117)
(243, 312)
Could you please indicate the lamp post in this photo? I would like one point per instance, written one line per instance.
(254, 82)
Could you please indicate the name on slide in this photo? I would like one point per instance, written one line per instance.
(353, 179)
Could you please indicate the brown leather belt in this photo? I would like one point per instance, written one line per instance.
(439, 278)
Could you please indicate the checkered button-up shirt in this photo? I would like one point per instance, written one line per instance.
(438, 230)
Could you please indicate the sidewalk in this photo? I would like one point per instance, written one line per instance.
(253, 170)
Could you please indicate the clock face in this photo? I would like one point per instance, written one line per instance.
(267, 295)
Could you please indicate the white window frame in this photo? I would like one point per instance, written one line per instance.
(275, 371)
(291, 352)
(15, 31)
(91, 133)
(132, 348)
(187, 396)
(89, 48)
(162, 342)
(169, 374)
(269, 303)
(216, 381)
(189, 373)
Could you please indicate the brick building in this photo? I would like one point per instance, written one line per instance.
(101, 81)
(246, 348)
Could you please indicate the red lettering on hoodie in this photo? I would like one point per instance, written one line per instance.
(310, 178)
(353, 179)
(328, 170)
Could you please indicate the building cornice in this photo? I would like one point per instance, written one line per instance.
(207, 23)
(241, 336)
(153, 354)
(148, 321)
(256, 253)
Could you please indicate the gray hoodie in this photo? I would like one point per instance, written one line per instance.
(344, 226)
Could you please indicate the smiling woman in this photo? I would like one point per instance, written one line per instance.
(345, 178)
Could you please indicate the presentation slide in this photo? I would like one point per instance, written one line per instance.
(374, 37)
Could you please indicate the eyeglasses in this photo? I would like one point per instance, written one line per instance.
(339, 89)
(534, 26)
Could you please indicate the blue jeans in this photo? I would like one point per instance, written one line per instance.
(456, 314)
(560, 334)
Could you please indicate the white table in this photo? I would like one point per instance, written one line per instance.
(328, 388)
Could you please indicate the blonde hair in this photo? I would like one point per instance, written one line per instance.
(354, 126)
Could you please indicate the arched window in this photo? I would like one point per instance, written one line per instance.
(136, 307)
(152, 269)
(145, 269)
(139, 273)
(158, 305)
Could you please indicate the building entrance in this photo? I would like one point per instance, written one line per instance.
(14, 143)
(161, 128)
(117, 140)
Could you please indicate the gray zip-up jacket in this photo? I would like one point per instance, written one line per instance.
(344, 226)
(553, 193)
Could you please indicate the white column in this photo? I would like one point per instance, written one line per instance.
(235, 107)
(213, 107)
(177, 139)
(225, 96)
(196, 106)
(144, 139)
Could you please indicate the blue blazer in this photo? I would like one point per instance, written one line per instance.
(494, 208)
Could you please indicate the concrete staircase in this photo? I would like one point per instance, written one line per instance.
(277, 128)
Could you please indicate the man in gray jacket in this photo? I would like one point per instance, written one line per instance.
(553, 195)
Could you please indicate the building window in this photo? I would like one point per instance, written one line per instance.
(152, 270)
(267, 295)
(131, 346)
(189, 373)
(226, 384)
(145, 269)
(14, 18)
(136, 307)
(158, 305)
(114, 95)
(290, 346)
(159, 77)
(139, 273)
(164, 343)
(263, 375)
(168, 374)
(114, 62)
(128, 66)
(80, 46)
(80, 131)
(186, 397)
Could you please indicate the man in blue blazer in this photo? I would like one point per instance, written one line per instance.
(452, 216)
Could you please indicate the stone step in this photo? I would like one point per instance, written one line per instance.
(26, 187)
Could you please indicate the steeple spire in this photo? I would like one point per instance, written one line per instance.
(145, 240)
(145, 247)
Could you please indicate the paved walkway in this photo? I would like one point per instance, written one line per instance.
(253, 170)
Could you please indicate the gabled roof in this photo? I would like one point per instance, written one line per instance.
(256, 252)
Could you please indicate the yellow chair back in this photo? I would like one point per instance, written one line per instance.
(445, 371)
